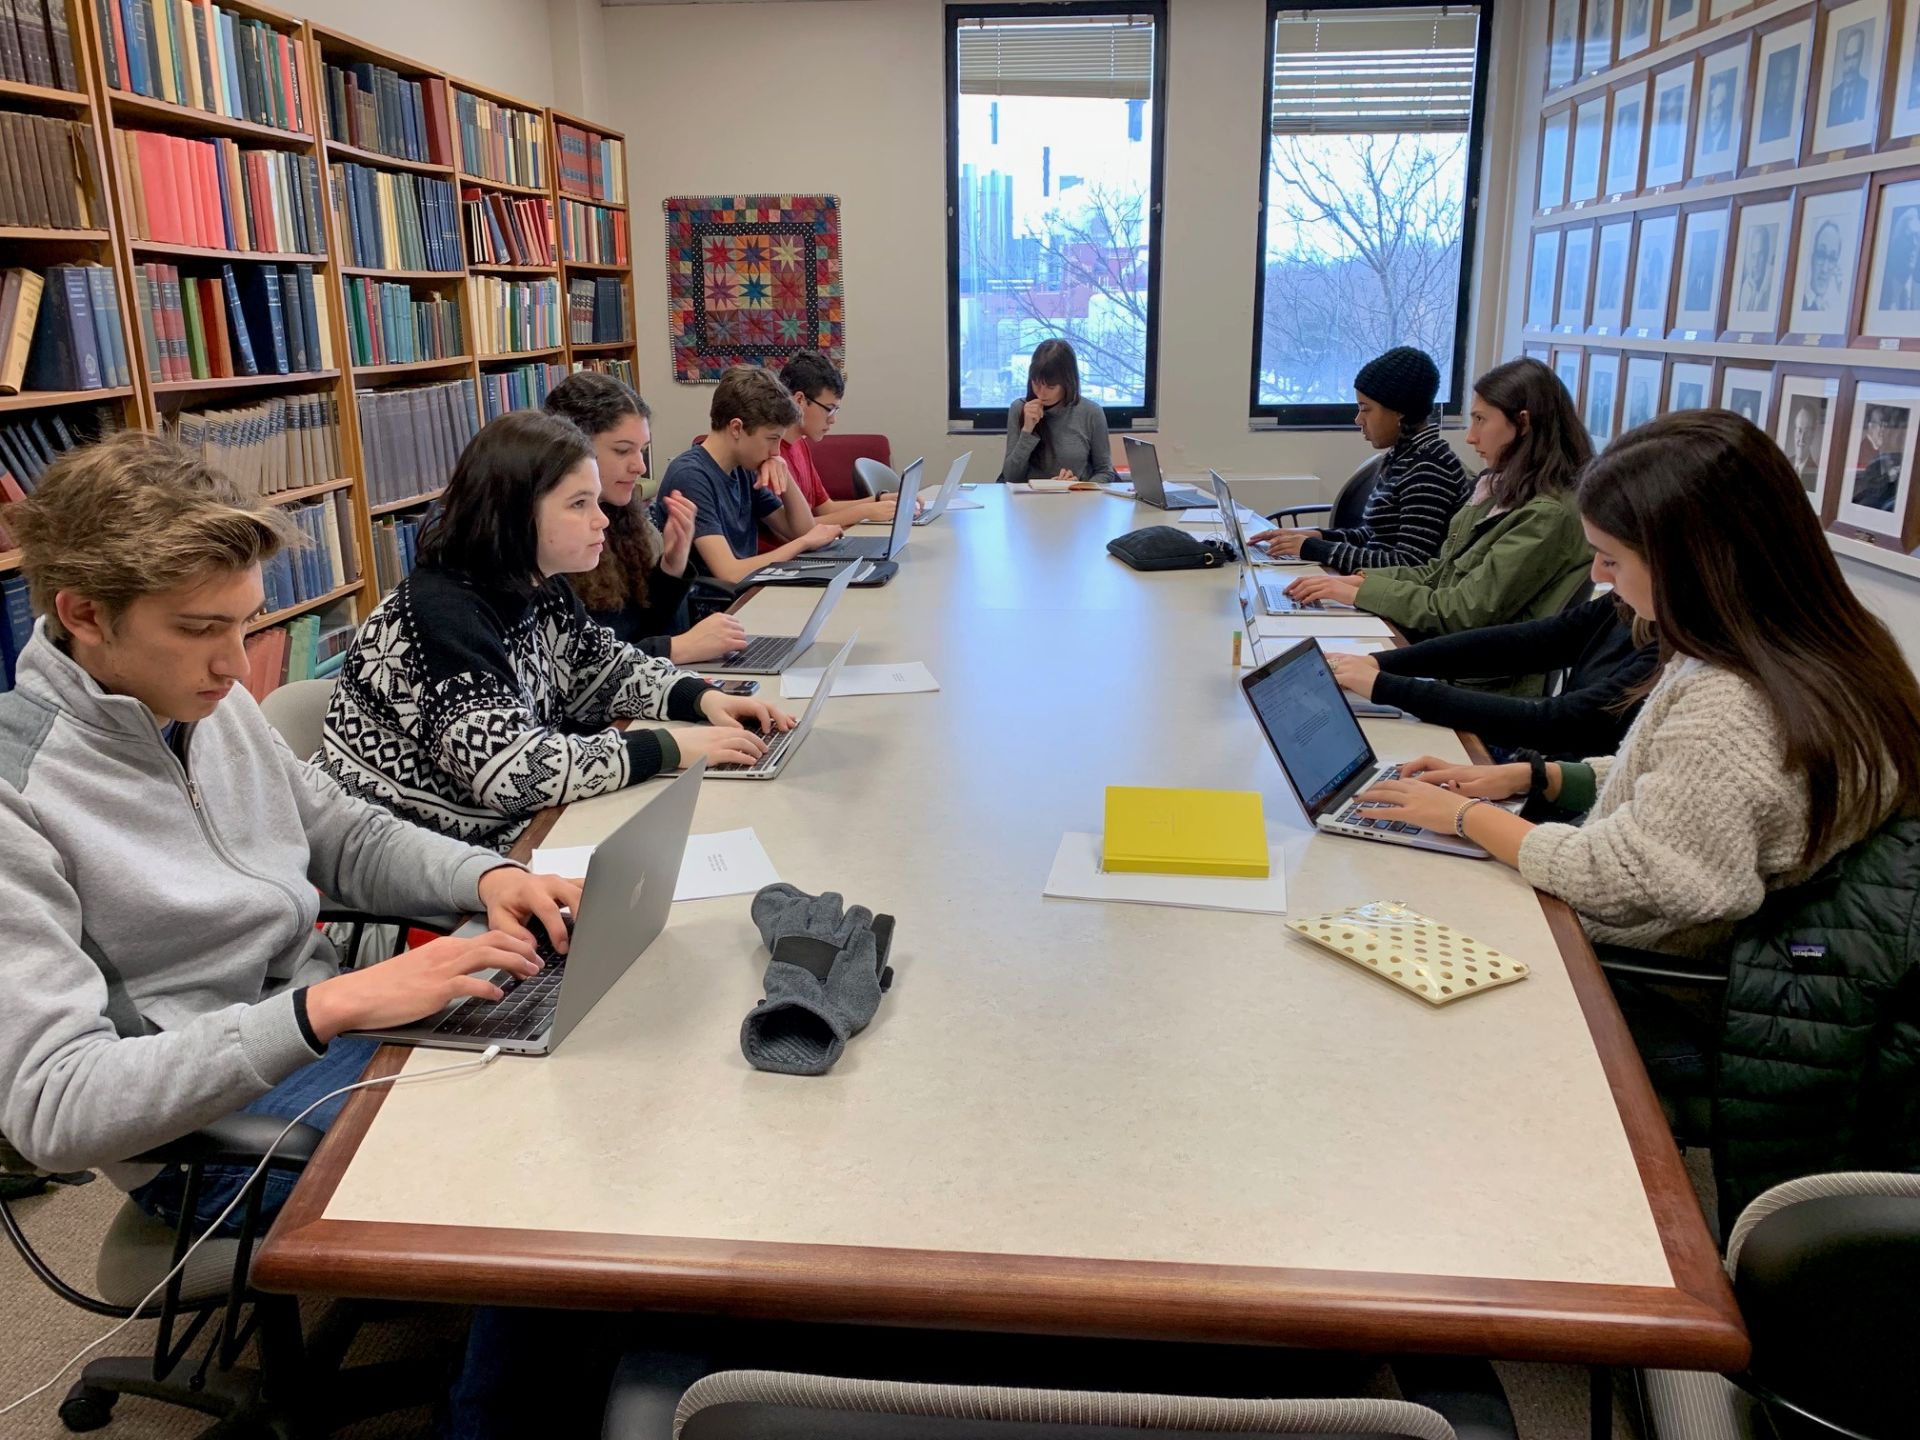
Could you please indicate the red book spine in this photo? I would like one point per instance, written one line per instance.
(207, 170)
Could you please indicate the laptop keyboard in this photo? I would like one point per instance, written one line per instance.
(1362, 818)
(761, 650)
(776, 747)
(524, 1010)
(1276, 599)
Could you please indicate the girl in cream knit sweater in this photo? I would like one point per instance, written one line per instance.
(1783, 727)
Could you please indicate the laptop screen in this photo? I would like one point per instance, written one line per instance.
(1313, 734)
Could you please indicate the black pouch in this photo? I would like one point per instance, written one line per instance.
(1167, 547)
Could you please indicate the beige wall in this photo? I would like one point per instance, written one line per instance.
(879, 142)
(502, 44)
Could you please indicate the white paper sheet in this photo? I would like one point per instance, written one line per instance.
(1076, 875)
(963, 501)
(1043, 487)
(907, 677)
(1292, 627)
(728, 862)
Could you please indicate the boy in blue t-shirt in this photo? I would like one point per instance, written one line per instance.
(729, 477)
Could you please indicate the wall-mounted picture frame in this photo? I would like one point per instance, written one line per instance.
(1556, 136)
(1655, 254)
(1612, 264)
(1721, 9)
(1703, 273)
(1762, 236)
(1596, 37)
(1876, 478)
(1805, 421)
(1640, 391)
(1602, 397)
(1890, 313)
(1826, 263)
(1679, 17)
(1747, 390)
(1670, 126)
(1576, 275)
(1636, 28)
(1720, 131)
(1566, 365)
(1689, 385)
(1903, 99)
(1853, 61)
(1563, 44)
(1781, 65)
(1543, 279)
(1625, 139)
(1589, 147)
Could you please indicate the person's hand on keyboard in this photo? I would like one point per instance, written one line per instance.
(513, 897)
(1342, 589)
(746, 711)
(1484, 782)
(416, 983)
(718, 745)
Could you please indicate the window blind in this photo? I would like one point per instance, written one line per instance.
(1345, 72)
(1103, 56)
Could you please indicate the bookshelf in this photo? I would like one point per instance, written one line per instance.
(602, 199)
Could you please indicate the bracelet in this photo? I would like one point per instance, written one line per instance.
(1460, 817)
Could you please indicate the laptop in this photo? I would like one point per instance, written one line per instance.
(782, 746)
(770, 654)
(1258, 647)
(630, 883)
(937, 508)
(1274, 599)
(871, 547)
(1324, 753)
(1149, 487)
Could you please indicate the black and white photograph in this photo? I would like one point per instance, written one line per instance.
(1904, 119)
(1745, 391)
(1596, 40)
(1636, 27)
(1563, 44)
(1652, 273)
(1723, 90)
(1555, 132)
(1623, 148)
(1576, 268)
(1667, 126)
(1847, 100)
(1640, 397)
(1612, 253)
(1804, 430)
(1677, 17)
(1780, 95)
(1759, 268)
(1543, 280)
(1893, 278)
(1603, 386)
(1879, 457)
(1703, 264)
(1589, 135)
(1688, 385)
(1566, 364)
(1827, 246)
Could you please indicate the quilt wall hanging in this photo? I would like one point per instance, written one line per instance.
(752, 279)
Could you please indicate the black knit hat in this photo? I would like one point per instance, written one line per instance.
(1403, 379)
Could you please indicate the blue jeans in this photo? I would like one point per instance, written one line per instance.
(346, 1059)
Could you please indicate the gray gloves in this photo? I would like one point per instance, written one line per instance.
(824, 983)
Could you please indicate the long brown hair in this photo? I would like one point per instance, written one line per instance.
(1546, 457)
(598, 402)
(1721, 520)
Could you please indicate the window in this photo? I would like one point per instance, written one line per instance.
(1367, 198)
(1053, 214)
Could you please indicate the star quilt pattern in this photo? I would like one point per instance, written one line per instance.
(752, 280)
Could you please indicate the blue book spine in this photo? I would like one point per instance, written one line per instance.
(237, 322)
(136, 56)
(276, 319)
(229, 28)
(106, 319)
(310, 312)
(19, 619)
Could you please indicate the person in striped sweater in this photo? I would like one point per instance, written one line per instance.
(1421, 484)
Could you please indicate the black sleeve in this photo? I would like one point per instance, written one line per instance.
(658, 646)
(1529, 647)
(1573, 724)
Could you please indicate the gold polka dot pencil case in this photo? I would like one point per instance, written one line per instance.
(1430, 961)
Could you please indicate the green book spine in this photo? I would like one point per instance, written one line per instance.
(196, 332)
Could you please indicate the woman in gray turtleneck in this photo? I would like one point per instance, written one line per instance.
(1053, 433)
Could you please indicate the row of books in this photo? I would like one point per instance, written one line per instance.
(61, 330)
(502, 230)
(514, 316)
(597, 311)
(398, 222)
(305, 648)
(500, 143)
(217, 195)
(388, 325)
(524, 387)
(325, 563)
(248, 320)
(36, 44)
(381, 110)
(394, 539)
(48, 174)
(410, 438)
(591, 165)
(288, 442)
(593, 234)
(29, 446)
(621, 370)
(193, 53)
(16, 624)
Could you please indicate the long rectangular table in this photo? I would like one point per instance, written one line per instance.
(1067, 1117)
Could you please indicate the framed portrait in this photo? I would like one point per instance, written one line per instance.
(1904, 104)
(1576, 271)
(1623, 145)
(1566, 365)
(1563, 44)
(1703, 268)
(1543, 279)
(1826, 260)
(1679, 17)
(1668, 117)
(1603, 390)
(1589, 137)
(1876, 474)
(1853, 52)
(1760, 239)
(1596, 37)
(1803, 427)
(1745, 390)
(1689, 385)
(1636, 27)
(1612, 258)
(1893, 277)
(1640, 395)
(1780, 69)
(1723, 108)
(1653, 274)
(1555, 132)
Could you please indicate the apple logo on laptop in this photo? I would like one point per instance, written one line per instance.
(633, 900)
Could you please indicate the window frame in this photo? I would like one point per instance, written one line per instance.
(1119, 417)
(1326, 417)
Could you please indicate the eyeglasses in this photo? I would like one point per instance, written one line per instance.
(831, 410)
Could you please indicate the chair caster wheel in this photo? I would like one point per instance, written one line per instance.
(86, 1408)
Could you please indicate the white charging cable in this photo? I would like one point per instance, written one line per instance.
(487, 1057)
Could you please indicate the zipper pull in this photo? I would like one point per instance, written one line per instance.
(193, 792)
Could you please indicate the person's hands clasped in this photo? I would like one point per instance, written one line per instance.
(1355, 673)
(1031, 414)
(1284, 543)
(513, 896)
(1341, 589)
(417, 983)
(719, 634)
(744, 711)
(676, 536)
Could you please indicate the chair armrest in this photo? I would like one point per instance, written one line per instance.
(1667, 969)
(239, 1139)
(1294, 512)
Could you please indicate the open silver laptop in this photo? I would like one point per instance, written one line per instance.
(770, 654)
(938, 506)
(871, 547)
(1262, 649)
(1274, 599)
(1150, 487)
(1324, 753)
(623, 907)
(780, 748)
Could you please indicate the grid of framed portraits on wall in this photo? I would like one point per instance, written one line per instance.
(1728, 214)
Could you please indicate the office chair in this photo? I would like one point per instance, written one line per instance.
(297, 710)
(1348, 506)
(874, 477)
(1825, 1269)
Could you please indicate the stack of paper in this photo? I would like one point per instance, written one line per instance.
(1076, 875)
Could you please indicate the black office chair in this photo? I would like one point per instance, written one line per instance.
(1348, 506)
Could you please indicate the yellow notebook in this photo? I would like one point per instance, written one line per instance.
(1184, 832)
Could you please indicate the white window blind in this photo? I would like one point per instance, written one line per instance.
(1103, 56)
(1346, 72)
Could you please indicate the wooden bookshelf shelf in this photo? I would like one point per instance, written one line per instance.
(318, 602)
(407, 504)
(140, 108)
(362, 372)
(368, 272)
(340, 150)
(536, 191)
(589, 200)
(306, 492)
(240, 382)
(543, 270)
(197, 252)
(47, 399)
(601, 347)
(546, 353)
(9, 560)
(43, 94)
(38, 232)
(605, 267)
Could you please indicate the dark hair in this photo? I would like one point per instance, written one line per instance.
(1552, 448)
(596, 402)
(1055, 363)
(811, 373)
(484, 524)
(1719, 516)
(752, 396)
